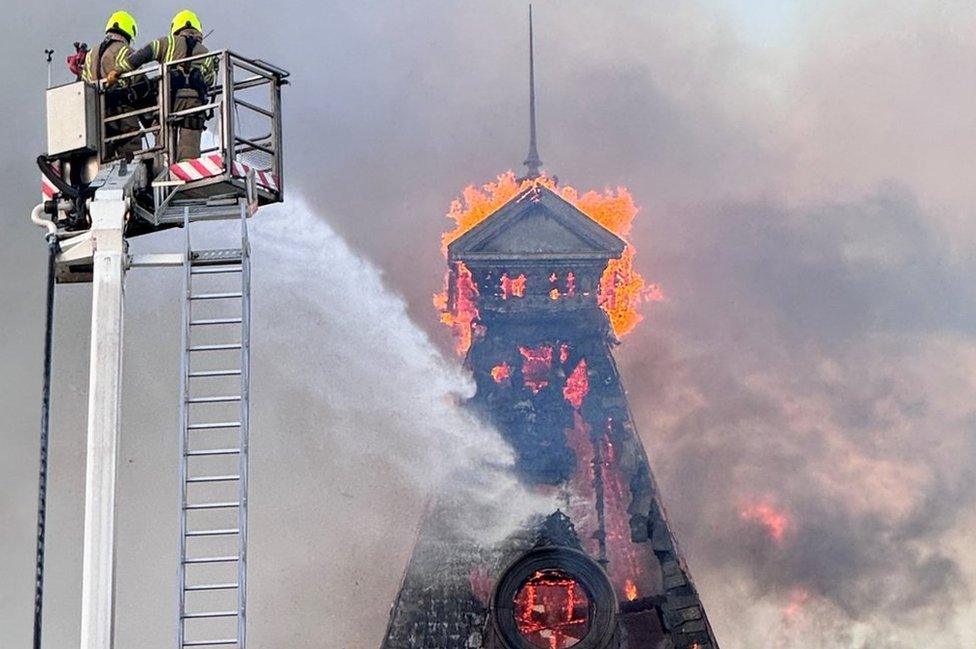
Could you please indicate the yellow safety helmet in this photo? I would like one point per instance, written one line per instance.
(184, 19)
(122, 22)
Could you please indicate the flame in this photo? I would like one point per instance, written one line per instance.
(501, 373)
(463, 313)
(552, 608)
(513, 287)
(630, 590)
(622, 289)
(577, 385)
(536, 363)
(776, 522)
(563, 353)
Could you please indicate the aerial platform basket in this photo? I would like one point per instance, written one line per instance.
(240, 156)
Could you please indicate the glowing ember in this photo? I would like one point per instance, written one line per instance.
(563, 353)
(627, 560)
(513, 287)
(630, 590)
(774, 521)
(552, 610)
(577, 385)
(622, 289)
(501, 373)
(536, 363)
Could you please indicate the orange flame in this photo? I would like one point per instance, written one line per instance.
(461, 315)
(577, 385)
(622, 288)
(775, 522)
(501, 373)
(536, 363)
(513, 287)
(630, 590)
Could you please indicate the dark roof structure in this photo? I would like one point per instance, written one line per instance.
(536, 225)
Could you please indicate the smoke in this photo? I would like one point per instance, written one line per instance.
(802, 170)
(835, 386)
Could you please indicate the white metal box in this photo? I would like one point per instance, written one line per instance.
(72, 122)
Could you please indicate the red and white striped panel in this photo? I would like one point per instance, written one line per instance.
(48, 190)
(264, 178)
(198, 168)
(213, 165)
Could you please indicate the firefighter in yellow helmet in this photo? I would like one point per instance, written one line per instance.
(104, 62)
(190, 83)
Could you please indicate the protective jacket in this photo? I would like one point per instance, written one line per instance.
(109, 55)
(193, 79)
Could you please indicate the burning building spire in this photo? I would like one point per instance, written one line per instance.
(540, 286)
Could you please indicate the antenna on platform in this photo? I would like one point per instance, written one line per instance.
(49, 55)
(532, 162)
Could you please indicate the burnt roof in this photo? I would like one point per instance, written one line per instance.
(536, 225)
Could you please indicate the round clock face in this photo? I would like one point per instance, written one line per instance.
(552, 610)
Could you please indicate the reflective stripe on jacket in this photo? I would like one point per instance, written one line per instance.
(114, 55)
(173, 48)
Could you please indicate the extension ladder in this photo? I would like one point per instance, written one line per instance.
(214, 386)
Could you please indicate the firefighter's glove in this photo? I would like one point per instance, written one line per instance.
(112, 78)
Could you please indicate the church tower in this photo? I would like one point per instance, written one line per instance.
(601, 570)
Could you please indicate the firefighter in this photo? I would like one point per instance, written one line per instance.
(103, 63)
(190, 83)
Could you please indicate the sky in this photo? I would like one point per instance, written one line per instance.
(803, 172)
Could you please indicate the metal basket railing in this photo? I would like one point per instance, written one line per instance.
(243, 107)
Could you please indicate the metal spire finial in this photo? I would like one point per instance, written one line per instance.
(532, 162)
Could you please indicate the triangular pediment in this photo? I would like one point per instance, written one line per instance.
(537, 224)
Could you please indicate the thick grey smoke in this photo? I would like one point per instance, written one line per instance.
(802, 170)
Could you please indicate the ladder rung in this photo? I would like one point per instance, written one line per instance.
(214, 451)
(214, 478)
(221, 257)
(222, 399)
(212, 587)
(205, 373)
(232, 559)
(227, 532)
(209, 643)
(215, 270)
(231, 505)
(195, 616)
(214, 321)
(216, 296)
(214, 348)
(218, 424)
